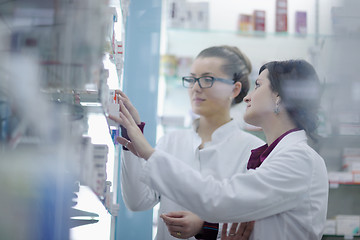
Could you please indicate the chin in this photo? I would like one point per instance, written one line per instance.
(196, 111)
(250, 120)
(246, 118)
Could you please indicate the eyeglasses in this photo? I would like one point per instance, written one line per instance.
(204, 82)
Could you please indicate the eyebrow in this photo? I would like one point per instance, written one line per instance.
(204, 74)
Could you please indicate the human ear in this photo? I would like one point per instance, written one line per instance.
(236, 89)
(278, 99)
(277, 104)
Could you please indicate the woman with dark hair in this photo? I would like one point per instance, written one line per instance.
(297, 84)
(215, 146)
(285, 189)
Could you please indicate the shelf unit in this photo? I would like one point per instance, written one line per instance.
(53, 98)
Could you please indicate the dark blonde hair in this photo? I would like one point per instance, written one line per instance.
(237, 66)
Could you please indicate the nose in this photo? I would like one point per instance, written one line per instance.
(196, 86)
(247, 98)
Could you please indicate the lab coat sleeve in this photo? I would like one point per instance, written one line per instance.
(137, 196)
(277, 186)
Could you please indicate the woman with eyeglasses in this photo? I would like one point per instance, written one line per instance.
(215, 145)
(287, 192)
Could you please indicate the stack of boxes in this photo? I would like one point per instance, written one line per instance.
(93, 165)
(255, 23)
(351, 163)
(349, 123)
(350, 166)
(343, 225)
(93, 172)
(99, 160)
(347, 225)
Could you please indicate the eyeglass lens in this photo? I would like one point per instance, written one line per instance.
(204, 82)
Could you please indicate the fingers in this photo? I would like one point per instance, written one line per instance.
(235, 233)
(242, 233)
(248, 230)
(224, 231)
(123, 98)
(116, 119)
(123, 141)
(242, 228)
(177, 234)
(126, 118)
(186, 223)
(166, 219)
(233, 228)
(174, 214)
(175, 227)
(176, 221)
(123, 113)
(121, 93)
(121, 120)
(127, 103)
(126, 143)
(126, 114)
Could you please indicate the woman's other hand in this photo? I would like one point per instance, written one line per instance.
(242, 233)
(182, 224)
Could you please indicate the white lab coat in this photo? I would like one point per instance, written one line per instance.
(287, 195)
(225, 155)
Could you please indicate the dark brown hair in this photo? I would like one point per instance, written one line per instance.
(299, 88)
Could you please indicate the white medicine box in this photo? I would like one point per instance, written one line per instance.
(176, 13)
(347, 225)
(186, 14)
(197, 15)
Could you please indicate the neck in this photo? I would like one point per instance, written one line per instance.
(207, 125)
(274, 129)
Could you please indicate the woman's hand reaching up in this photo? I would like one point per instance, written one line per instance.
(138, 143)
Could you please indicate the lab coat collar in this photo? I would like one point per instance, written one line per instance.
(222, 132)
(292, 138)
(258, 155)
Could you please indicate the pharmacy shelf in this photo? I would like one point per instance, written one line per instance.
(333, 184)
(340, 140)
(97, 128)
(250, 34)
(275, 44)
(338, 237)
